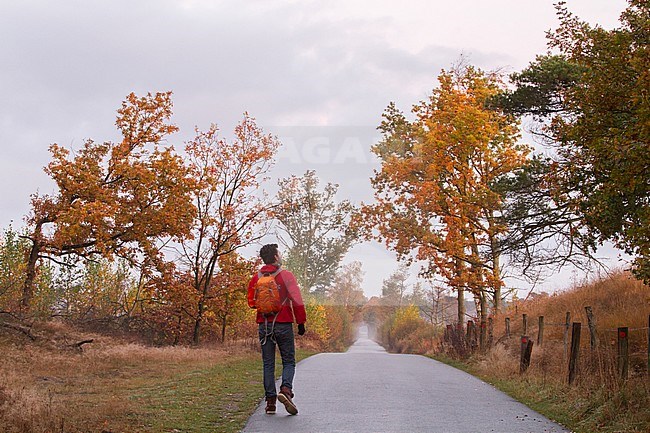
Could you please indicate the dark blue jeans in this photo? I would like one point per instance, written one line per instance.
(282, 335)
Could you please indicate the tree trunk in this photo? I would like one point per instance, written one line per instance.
(496, 276)
(461, 295)
(30, 272)
(197, 322)
(461, 307)
(483, 319)
(224, 320)
(202, 286)
(177, 335)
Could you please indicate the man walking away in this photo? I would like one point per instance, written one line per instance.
(275, 294)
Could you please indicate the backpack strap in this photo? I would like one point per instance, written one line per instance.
(286, 289)
(261, 274)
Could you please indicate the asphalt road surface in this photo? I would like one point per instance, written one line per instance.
(369, 390)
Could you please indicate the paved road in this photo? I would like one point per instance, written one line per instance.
(369, 390)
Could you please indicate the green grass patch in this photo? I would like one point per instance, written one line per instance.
(453, 363)
(219, 398)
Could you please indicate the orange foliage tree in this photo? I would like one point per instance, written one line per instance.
(113, 198)
(230, 211)
(172, 303)
(233, 316)
(434, 194)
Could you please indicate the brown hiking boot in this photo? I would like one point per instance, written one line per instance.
(285, 398)
(270, 405)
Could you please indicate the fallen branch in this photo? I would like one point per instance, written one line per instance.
(81, 343)
(23, 329)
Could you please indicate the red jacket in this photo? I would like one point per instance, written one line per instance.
(293, 308)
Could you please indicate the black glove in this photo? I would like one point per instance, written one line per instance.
(301, 329)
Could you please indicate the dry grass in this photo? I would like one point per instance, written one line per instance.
(43, 389)
(599, 401)
(616, 301)
(619, 300)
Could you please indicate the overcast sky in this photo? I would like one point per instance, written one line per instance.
(317, 74)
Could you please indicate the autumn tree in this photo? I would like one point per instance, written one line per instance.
(97, 290)
(394, 288)
(316, 229)
(590, 97)
(435, 193)
(113, 198)
(13, 249)
(174, 304)
(347, 288)
(339, 308)
(230, 307)
(230, 211)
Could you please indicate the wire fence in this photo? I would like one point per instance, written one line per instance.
(481, 336)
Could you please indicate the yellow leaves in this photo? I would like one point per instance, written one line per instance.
(406, 314)
(317, 319)
(438, 200)
(399, 330)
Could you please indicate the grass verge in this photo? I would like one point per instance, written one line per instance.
(219, 398)
(115, 387)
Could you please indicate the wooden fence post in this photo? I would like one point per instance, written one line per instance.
(507, 327)
(483, 335)
(540, 331)
(525, 353)
(623, 354)
(575, 351)
(475, 333)
(472, 342)
(459, 337)
(524, 323)
(591, 322)
(648, 345)
(567, 324)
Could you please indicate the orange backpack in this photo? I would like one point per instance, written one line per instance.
(267, 294)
